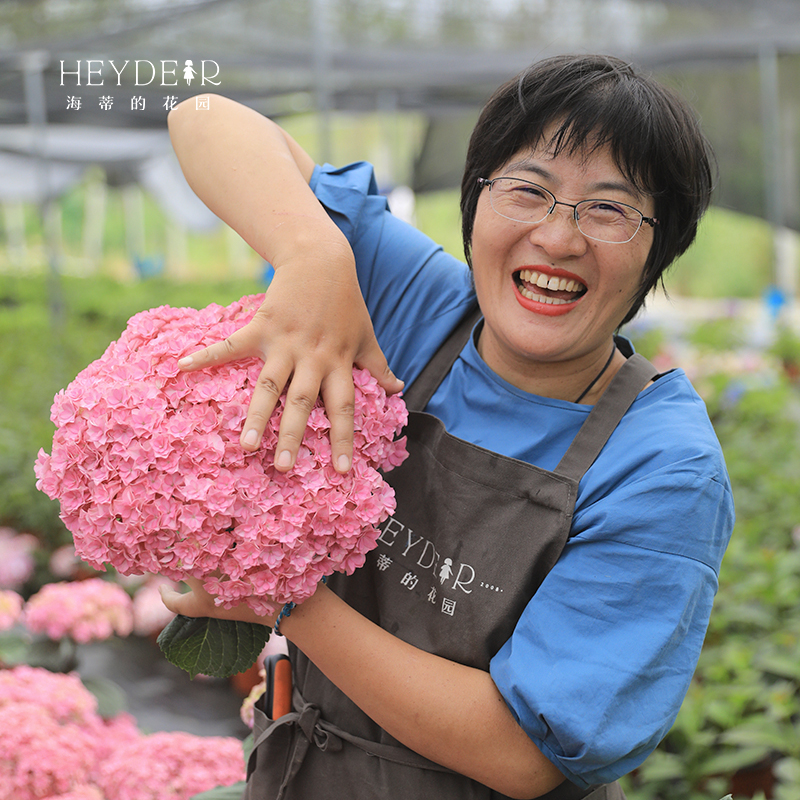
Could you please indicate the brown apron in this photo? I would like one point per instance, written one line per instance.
(474, 535)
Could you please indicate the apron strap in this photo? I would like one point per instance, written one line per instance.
(427, 382)
(632, 377)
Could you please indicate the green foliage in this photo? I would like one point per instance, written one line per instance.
(218, 648)
(49, 331)
(731, 257)
(720, 335)
(743, 707)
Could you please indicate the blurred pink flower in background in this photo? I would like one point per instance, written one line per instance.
(16, 557)
(39, 756)
(170, 766)
(54, 744)
(147, 466)
(83, 792)
(52, 734)
(83, 610)
(10, 609)
(64, 563)
(150, 615)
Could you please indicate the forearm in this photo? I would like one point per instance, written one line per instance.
(313, 325)
(447, 712)
(254, 177)
(450, 713)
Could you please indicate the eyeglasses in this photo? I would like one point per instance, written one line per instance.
(603, 220)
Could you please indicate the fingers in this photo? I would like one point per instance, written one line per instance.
(305, 385)
(271, 382)
(297, 364)
(301, 396)
(189, 604)
(218, 353)
(338, 395)
(373, 359)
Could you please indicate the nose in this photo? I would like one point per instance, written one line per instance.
(558, 232)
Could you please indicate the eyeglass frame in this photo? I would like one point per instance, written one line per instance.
(651, 221)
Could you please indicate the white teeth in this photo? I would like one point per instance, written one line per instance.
(554, 301)
(536, 278)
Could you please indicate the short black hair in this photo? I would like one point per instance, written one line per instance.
(598, 101)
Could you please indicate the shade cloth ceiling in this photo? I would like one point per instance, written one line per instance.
(282, 57)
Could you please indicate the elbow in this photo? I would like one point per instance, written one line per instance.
(527, 789)
(524, 779)
(186, 121)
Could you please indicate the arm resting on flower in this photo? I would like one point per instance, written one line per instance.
(313, 325)
(447, 712)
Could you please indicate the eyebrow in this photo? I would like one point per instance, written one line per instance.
(600, 186)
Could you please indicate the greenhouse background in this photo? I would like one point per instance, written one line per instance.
(98, 224)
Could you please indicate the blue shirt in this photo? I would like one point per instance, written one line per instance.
(603, 654)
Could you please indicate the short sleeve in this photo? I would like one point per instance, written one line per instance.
(414, 291)
(601, 659)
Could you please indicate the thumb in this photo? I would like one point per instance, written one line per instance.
(375, 362)
(174, 601)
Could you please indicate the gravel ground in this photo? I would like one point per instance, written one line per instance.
(159, 695)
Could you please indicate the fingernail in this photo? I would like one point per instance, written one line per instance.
(186, 361)
(343, 463)
(284, 459)
(250, 438)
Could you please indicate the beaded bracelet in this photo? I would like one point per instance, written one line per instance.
(286, 611)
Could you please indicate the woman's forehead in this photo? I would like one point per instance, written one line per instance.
(594, 164)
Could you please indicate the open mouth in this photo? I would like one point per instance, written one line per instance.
(548, 289)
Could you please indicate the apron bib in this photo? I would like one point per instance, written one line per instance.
(473, 537)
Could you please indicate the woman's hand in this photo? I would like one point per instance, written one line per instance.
(197, 602)
(312, 327)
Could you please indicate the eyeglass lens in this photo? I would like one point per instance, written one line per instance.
(604, 220)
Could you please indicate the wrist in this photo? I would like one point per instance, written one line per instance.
(303, 238)
(292, 612)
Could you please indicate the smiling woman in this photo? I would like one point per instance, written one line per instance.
(498, 641)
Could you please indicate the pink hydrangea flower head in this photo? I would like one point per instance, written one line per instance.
(38, 756)
(150, 475)
(93, 609)
(53, 739)
(66, 698)
(170, 765)
(16, 558)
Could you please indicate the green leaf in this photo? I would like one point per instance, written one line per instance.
(13, 648)
(218, 648)
(730, 761)
(111, 699)
(222, 793)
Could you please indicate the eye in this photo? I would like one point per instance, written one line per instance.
(524, 193)
(529, 189)
(606, 210)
